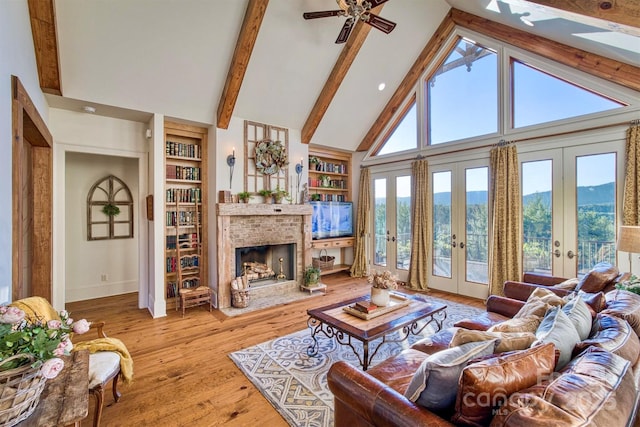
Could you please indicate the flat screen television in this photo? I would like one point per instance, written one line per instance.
(331, 219)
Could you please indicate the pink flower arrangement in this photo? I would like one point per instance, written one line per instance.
(44, 341)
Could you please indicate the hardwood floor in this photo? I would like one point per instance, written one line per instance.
(183, 376)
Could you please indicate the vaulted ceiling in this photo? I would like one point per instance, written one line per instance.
(207, 60)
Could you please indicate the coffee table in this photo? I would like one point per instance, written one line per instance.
(334, 322)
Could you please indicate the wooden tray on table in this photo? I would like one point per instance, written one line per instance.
(396, 301)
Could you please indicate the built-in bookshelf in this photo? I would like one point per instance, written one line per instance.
(329, 175)
(330, 181)
(185, 208)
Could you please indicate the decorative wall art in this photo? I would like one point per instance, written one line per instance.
(109, 210)
(266, 157)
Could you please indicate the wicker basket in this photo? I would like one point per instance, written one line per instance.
(20, 390)
(239, 298)
(323, 262)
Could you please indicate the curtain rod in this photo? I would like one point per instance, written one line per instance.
(502, 142)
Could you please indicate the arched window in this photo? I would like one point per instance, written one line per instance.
(109, 210)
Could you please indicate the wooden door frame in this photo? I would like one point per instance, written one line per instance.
(30, 128)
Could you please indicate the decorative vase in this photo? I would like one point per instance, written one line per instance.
(380, 297)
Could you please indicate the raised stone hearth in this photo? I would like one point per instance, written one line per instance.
(246, 225)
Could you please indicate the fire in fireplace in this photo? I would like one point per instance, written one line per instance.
(266, 264)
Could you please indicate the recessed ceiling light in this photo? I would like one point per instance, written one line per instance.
(381, 86)
(89, 109)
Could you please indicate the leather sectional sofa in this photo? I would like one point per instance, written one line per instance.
(525, 387)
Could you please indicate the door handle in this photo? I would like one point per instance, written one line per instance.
(461, 245)
(393, 239)
(453, 244)
(557, 253)
(570, 255)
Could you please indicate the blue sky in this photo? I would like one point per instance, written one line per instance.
(464, 103)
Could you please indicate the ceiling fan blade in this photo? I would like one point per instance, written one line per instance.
(380, 23)
(321, 14)
(345, 31)
(375, 3)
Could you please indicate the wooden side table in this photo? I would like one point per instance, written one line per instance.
(65, 399)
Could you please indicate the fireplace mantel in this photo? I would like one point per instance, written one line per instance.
(253, 209)
(241, 225)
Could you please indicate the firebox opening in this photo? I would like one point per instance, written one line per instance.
(262, 264)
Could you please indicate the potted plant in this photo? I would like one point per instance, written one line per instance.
(324, 180)
(279, 194)
(244, 196)
(311, 276)
(315, 197)
(313, 161)
(110, 209)
(266, 194)
(381, 284)
(631, 285)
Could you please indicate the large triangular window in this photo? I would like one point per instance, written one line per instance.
(403, 134)
(539, 97)
(462, 94)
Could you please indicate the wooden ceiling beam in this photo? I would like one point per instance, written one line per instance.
(244, 47)
(45, 42)
(407, 85)
(618, 11)
(611, 70)
(338, 73)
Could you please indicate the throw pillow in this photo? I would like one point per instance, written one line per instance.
(568, 285)
(625, 305)
(612, 334)
(547, 296)
(508, 341)
(521, 324)
(487, 384)
(558, 329)
(435, 383)
(534, 307)
(601, 275)
(578, 312)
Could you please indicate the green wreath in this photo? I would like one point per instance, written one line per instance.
(271, 156)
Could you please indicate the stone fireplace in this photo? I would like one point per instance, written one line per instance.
(254, 226)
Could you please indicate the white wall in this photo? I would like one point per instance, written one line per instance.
(97, 268)
(75, 132)
(16, 58)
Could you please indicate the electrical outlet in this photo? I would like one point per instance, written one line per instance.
(104, 277)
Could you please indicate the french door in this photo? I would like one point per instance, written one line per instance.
(459, 253)
(392, 222)
(569, 210)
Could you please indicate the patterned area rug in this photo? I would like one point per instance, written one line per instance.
(296, 384)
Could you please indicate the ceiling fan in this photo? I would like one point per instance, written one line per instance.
(355, 10)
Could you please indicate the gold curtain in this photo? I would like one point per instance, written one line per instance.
(359, 267)
(505, 255)
(630, 205)
(419, 225)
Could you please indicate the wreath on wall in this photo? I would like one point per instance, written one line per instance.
(271, 156)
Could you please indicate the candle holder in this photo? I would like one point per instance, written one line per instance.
(231, 162)
(299, 168)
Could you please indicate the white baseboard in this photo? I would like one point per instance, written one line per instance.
(100, 290)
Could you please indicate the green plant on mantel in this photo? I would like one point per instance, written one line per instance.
(315, 197)
(244, 196)
(110, 209)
